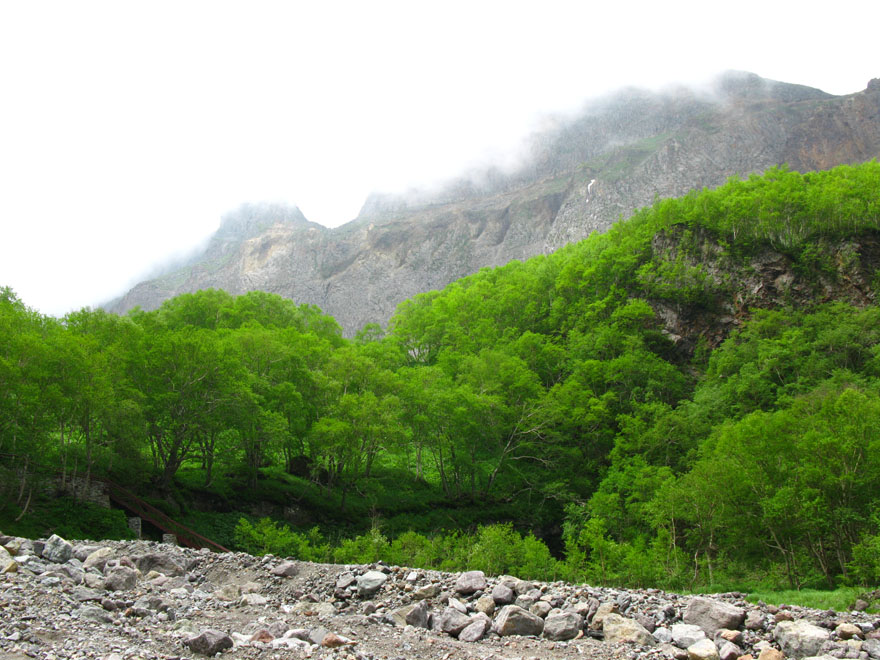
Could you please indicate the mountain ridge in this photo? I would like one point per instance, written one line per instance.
(619, 154)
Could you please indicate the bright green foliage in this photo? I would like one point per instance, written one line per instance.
(551, 393)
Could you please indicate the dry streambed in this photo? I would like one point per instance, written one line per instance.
(142, 600)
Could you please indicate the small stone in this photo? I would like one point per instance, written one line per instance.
(253, 599)
(334, 641)
(95, 614)
(541, 608)
(754, 620)
(685, 635)
(729, 651)
(209, 642)
(486, 605)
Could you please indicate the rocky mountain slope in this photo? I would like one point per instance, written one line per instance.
(619, 154)
(142, 600)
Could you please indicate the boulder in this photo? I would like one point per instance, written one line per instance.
(754, 620)
(428, 591)
(452, 622)
(729, 651)
(601, 612)
(562, 626)
(514, 620)
(286, 569)
(486, 605)
(619, 629)
(541, 608)
(712, 615)
(209, 642)
(98, 558)
(120, 578)
(470, 582)
(475, 630)
(848, 631)
(872, 647)
(370, 582)
(57, 550)
(94, 614)
(7, 563)
(418, 615)
(161, 562)
(503, 594)
(799, 639)
(705, 649)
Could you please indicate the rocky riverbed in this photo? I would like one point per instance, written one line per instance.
(132, 600)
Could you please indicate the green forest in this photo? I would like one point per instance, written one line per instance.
(539, 418)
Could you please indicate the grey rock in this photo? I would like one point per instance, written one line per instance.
(83, 594)
(470, 582)
(755, 620)
(120, 578)
(503, 594)
(418, 615)
(514, 620)
(98, 558)
(370, 582)
(647, 622)
(286, 569)
(663, 635)
(872, 647)
(601, 612)
(685, 634)
(729, 651)
(486, 605)
(253, 599)
(799, 639)
(475, 630)
(452, 622)
(458, 605)
(562, 626)
(94, 614)
(541, 608)
(161, 562)
(428, 591)
(711, 615)
(57, 550)
(209, 642)
(618, 629)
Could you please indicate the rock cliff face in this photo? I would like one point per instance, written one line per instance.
(579, 177)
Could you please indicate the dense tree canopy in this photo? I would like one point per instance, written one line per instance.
(551, 387)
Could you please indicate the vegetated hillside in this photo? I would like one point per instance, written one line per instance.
(618, 155)
(688, 400)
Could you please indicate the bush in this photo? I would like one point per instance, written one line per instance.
(270, 537)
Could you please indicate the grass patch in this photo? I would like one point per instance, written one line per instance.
(841, 599)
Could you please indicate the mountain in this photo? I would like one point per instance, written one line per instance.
(578, 176)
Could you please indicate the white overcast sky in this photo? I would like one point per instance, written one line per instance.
(128, 128)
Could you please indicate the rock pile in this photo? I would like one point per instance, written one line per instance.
(142, 600)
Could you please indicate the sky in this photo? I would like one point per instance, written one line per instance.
(127, 129)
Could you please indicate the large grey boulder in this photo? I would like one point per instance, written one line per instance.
(370, 582)
(514, 620)
(470, 582)
(871, 646)
(452, 622)
(799, 639)
(712, 615)
(562, 626)
(57, 550)
(209, 642)
(286, 569)
(419, 615)
(618, 629)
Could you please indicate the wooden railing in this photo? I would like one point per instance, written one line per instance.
(124, 498)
